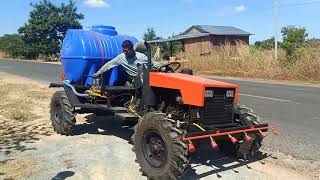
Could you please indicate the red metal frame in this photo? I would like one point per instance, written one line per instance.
(226, 133)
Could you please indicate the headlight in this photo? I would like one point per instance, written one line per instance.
(230, 93)
(208, 93)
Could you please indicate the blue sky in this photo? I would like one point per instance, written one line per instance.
(174, 16)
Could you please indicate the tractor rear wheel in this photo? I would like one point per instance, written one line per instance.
(245, 149)
(62, 114)
(158, 147)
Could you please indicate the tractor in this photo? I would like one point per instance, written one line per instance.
(172, 114)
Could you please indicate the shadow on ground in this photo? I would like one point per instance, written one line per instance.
(218, 162)
(104, 125)
(63, 175)
(14, 134)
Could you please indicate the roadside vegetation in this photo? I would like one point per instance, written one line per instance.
(299, 57)
(41, 36)
(251, 62)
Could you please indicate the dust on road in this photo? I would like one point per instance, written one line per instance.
(29, 149)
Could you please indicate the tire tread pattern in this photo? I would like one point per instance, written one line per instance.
(67, 125)
(178, 159)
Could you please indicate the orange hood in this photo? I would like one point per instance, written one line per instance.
(192, 88)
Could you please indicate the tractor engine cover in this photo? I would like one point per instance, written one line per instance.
(218, 108)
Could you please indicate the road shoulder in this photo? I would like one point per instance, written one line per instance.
(103, 147)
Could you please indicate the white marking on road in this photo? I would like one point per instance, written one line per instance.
(269, 98)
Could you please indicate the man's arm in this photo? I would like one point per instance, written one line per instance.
(112, 63)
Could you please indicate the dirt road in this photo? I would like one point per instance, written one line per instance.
(29, 149)
(291, 108)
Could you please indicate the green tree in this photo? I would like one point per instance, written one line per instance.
(150, 34)
(294, 38)
(47, 26)
(176, 45)
(12, 44)
(266, 44)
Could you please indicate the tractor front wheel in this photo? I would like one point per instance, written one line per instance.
(62, 114)
(158, 147)
(243, 149)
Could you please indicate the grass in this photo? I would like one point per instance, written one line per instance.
(4, 55)
(248, 62)
(24, 114)
(22, 102)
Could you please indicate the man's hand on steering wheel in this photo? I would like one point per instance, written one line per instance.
(167, 67)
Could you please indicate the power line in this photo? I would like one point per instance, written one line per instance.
(299, 4)
(281, 4)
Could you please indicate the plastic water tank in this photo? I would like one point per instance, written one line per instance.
(106, 30)
(85, 52)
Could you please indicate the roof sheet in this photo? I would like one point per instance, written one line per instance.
(222, 30)
(181, 37)
(206, 31)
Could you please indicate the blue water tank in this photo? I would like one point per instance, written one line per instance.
(85, 52)
(106, 30)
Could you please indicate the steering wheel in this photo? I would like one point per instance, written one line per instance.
(167, 68)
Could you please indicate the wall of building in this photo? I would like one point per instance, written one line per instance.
(198, 46)
(209, 44)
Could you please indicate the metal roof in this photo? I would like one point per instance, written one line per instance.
(220, 30)
(205, 30)
(181, 37)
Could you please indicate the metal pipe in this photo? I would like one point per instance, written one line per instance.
(225, 133)
(162, 106)
(67, 83)
(148, 55)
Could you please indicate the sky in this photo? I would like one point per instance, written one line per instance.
(175, 16)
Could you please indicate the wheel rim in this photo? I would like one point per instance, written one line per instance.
(58, 112)
(154, 148)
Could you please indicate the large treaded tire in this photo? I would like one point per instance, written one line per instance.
(176, 153)
(246, 149)
(62, 114)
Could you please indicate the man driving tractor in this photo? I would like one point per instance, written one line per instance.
(129, 60)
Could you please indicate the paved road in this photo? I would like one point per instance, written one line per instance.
(295, 110)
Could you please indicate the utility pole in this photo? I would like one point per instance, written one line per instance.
(276, 8)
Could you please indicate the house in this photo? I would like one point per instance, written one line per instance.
(205, 39)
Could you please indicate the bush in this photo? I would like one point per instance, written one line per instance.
(13, 45)
(250, 62)
(266, 44)
(293, 39)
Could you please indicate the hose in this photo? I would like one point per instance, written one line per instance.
(96, 94)
(67, 83)
(201, 128)
(131, 109)
(197, 125)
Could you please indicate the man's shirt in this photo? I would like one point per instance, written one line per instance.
(129, 64)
